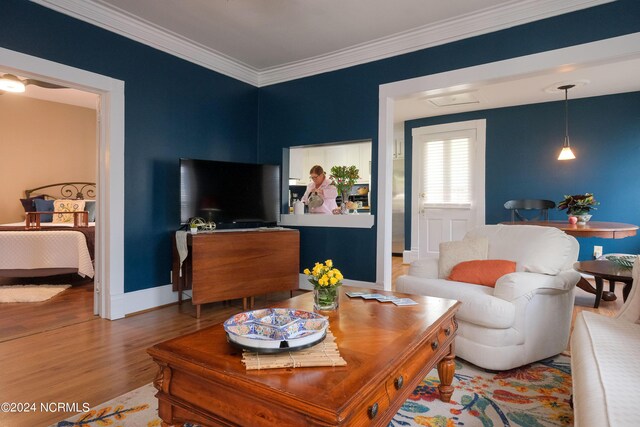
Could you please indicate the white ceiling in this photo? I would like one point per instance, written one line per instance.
(594, 80)
(264, 34)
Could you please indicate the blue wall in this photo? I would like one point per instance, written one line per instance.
(216, 117)
(343, 105)
(207, 115)
(522, 146)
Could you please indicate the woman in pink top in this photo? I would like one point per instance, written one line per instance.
(322, 186)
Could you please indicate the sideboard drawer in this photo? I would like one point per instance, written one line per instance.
(372, 410)
(411, 373)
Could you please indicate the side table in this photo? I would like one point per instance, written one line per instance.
(607, 270)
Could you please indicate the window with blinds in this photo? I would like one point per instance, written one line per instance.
(446, 180)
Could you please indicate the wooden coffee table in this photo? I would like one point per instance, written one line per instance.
(388, 350)
(606, 270)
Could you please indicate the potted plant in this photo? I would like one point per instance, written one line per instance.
(344, 177)
(195, 223)
(325, 279)
(579, 205)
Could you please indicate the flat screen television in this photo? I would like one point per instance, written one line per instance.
(233, 195)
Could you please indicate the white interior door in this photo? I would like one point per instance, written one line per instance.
(447, 184)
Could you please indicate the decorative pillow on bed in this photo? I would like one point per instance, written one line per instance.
(44, 206)
(29, 204)
(90, 206)
(66, 206)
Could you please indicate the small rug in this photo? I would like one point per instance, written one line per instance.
(29, 293)
(534, 395)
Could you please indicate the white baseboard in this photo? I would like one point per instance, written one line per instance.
(117, 306)
(162, 295)
(304, 283)
(409, 256)
(149, 298)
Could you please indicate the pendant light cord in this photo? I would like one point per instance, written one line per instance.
(566, 114)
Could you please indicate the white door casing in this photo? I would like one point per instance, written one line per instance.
(109, 251)
(431, 222)
(548, 63)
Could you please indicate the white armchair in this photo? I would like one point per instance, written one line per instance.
(604, 364)
(527, 316)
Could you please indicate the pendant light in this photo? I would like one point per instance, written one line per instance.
(566, 153)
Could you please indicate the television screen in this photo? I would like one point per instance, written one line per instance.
(233, 195)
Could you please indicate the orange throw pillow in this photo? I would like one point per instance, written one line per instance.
(482, 272)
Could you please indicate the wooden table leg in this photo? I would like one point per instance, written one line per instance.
(599, 287)
(586, 286)
(446, 369)
(626, 290)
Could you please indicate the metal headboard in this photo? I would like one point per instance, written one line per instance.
(66, 190)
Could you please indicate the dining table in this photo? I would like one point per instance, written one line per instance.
(602, 229)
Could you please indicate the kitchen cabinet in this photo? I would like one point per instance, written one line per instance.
(314, 156)
(302, 159)
(364, 151)
(297, 164)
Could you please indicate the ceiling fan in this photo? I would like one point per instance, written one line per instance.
(11, 83)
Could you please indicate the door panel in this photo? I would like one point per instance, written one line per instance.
(442, 225)
(439, 214)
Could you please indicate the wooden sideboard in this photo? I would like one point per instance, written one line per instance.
(224, 265)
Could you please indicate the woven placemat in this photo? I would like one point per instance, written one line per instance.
(325, 353)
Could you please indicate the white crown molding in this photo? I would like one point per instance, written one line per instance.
(137, 29)
(483, 22)
(487, 21)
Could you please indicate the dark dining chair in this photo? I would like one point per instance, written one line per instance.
(541, 206)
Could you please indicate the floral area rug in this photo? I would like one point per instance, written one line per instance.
(534, 395)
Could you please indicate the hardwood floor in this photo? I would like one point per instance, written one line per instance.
(397, 270)
(74, 305)
(96, 360)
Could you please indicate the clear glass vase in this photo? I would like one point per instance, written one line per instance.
(325, 298)
(343, 205)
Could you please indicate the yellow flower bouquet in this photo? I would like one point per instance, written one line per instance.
(325, 279)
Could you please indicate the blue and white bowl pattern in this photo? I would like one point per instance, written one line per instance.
(268, 328)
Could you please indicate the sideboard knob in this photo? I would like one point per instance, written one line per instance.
(447, 331)
(399, 382)
(434, 345)
(373, 410)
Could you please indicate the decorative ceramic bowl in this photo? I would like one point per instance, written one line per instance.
(273, 330)
(583, 218)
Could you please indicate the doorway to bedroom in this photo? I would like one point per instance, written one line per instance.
(49, 137)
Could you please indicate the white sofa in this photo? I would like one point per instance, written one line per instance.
(605, 365)
(527, 316)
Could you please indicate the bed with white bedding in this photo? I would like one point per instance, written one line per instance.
(56, 247)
